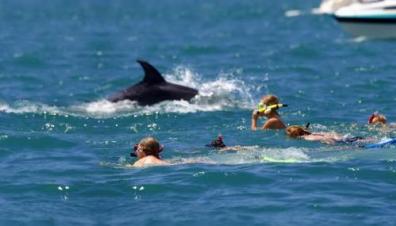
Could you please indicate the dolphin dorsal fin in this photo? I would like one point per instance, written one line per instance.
(151, 74)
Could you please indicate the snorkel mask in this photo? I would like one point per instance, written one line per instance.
(135, 148)
(263, 108)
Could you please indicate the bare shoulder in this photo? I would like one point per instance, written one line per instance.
(149, 161)
(274, 123)
(154, 160)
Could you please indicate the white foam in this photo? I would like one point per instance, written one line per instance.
(359, 39)
(192, 160)
(288, 155)
(250, 155)
(22, 107)
(293, 13)
(221, 93)
(104, 108)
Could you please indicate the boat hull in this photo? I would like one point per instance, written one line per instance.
(369, 27)
(369, 18)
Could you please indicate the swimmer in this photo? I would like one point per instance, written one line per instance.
(147, 151)
(218, 144)
(377, 119)
(324, 137)
(380, 119)
(267, 107)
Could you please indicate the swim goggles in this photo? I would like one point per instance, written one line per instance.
(263, 108)
(135, 149)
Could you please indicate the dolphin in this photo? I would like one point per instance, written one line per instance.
(153, 89)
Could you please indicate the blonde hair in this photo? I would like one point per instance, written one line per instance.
(270, 100)
(150, 146)
(296, 131)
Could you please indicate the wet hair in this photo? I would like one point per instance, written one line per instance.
(296, 131)
(217, 143)
(270, 100)
(150, 146)
(377, 118)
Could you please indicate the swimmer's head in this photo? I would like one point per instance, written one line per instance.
(270, 100)
(217, 143)
(377, 118)
(268, 104)
(297, 131)
(147, 146)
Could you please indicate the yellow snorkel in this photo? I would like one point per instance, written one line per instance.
(263, 108)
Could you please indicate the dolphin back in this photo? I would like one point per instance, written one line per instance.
(154, 89)
(151, 74)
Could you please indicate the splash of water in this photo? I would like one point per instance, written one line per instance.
(222, 93)
(22, 107)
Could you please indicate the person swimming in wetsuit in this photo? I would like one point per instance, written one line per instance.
(267, 108)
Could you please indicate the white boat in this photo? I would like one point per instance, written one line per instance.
(371, 19)
(330, 6)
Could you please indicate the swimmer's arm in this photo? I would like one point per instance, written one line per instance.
(255, 116)
(233, 148)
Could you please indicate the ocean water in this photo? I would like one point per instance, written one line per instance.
(64, 149)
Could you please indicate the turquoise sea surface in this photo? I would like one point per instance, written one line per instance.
(64, 149)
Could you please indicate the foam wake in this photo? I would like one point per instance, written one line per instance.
(223, 93)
